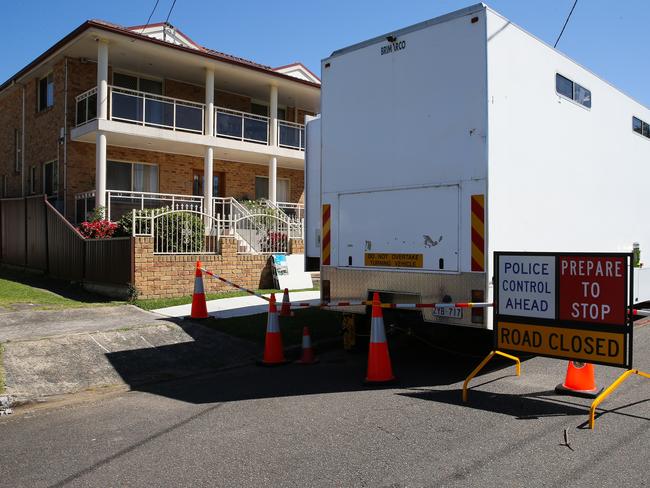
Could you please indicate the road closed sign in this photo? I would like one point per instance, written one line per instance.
(565, 305)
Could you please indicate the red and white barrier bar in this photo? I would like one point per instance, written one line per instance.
(394, 305)
(642, 313)
(250, 292)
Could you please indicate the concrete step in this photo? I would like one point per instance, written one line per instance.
(315, 278)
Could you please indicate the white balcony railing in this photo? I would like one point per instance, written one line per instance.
(86, 107)
(119, 203)
(291, 135)
(151, 110)
(242, 126)
(249, 223)
(294, 210)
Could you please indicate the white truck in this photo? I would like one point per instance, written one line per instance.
(442, 142)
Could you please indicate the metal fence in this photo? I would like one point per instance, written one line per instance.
(35, 235)
(187, 231)
(178, 231)
(265, 232)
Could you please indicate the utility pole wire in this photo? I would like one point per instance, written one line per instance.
(563, 27)
(170, 11)
(150, 15)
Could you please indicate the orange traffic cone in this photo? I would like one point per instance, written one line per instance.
(580, 381)
(199, 307)
(285, 311)
(379, 368)
(273, 352)
(308, 356)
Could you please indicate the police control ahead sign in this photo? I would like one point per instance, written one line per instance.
(565, 305)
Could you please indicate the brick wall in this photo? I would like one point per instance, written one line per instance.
(42, 141)
(160, 276)
(296, 246)
(10, 119)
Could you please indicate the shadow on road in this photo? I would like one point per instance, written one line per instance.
(522, 407)
(445, 357)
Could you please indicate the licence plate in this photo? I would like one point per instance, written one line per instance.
(452, 312)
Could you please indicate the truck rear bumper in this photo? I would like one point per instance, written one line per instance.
(353, 284)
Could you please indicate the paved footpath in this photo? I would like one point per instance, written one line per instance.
(240, 306)
(318, 426)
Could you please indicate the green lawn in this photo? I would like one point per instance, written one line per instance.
(21, 287)
(322, 325)
(154, 303)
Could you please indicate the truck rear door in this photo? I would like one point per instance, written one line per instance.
(411, 228)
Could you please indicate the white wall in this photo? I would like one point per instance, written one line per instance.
(413, 117)
(312, 187)
(561, 177)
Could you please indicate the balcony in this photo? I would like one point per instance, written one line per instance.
(144, 109)
(242, 126)
(160, 112)
(291, 135)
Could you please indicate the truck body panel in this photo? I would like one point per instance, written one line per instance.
(452, 129)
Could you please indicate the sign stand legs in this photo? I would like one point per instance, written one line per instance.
(483, 363)
(609, 390)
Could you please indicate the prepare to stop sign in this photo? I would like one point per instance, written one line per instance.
(564, 305)
(592, 289)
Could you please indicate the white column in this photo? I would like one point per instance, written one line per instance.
(273, 133)
(102, 79)
(273, 179)
(273, 116)
(102, 113)
(209, 103)
(207, 183)
(100, 170)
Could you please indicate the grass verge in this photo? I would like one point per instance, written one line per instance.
(24, 287)
(154, 303)
(323, 324)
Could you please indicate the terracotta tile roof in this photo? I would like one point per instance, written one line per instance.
(109, 26)
(134, 30)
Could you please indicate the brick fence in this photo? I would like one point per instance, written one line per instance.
(169, 276)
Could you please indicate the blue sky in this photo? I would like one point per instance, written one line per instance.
(607, 36)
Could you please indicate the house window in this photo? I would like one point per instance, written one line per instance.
(137, 83)
(46, 92)
(123, 176)
(50, 178)
(32, 180)
(18, 150)
(640, 127)
(281, 190)
(571, 90)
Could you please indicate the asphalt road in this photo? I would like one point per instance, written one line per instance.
(317, 426)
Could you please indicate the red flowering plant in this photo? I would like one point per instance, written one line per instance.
(100, 229)
(97, 227)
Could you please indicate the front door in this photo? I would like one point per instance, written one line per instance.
(218, 183)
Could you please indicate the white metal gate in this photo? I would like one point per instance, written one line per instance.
(178, 231)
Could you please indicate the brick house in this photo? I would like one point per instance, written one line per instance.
(135, 117)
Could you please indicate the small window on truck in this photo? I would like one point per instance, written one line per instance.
(573, 91)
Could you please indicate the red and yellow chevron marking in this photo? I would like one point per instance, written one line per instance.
(327, 211)
(478, 232)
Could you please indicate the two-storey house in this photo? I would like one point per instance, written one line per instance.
(142, 117)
